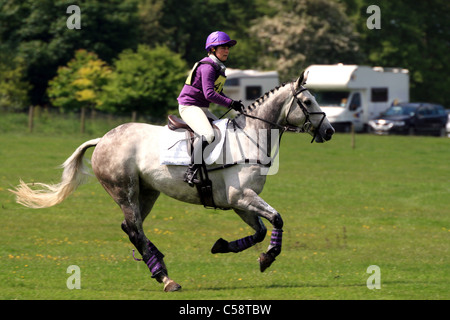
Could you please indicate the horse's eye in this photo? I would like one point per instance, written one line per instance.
(308, 102)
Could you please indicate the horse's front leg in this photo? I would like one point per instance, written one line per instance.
(254, 221)
(266, 259)
(274, 249)
(251, 202)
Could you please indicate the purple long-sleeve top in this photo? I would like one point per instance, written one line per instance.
(201, 92)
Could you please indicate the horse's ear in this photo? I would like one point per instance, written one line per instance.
(302, 79)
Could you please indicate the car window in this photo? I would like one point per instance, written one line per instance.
(440, 110)
(399, 110)
(356, 102)
(422, 111)
(432, 111)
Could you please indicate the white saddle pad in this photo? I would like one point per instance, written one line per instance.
(174, 147)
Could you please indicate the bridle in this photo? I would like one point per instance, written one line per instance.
(307, 125)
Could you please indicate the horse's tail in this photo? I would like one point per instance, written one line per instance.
(46, 195)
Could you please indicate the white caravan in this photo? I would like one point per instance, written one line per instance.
(249, 85)
(352, 94)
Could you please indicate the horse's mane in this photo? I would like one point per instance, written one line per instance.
(266, 95)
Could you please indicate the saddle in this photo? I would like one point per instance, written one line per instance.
(176, 123)
(204, 188)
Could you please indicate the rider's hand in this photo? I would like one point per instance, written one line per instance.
(237, 105)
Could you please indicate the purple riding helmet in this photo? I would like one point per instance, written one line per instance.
(218, 38)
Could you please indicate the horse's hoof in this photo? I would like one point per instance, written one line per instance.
(265, 260)
(221, 246)
(172, 286)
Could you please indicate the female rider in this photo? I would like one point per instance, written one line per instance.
(203, 86)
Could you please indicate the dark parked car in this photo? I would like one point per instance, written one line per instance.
(448, 124)
(411, 118)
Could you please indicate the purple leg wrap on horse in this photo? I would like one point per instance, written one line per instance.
(154, 264)
(275, 239)
(154, 250)
(244, 243)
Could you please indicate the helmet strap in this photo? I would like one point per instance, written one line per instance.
(213, 51)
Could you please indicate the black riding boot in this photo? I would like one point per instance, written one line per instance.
(190, 175)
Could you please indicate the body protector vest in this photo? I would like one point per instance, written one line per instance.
(218, 84)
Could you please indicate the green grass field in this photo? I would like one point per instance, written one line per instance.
(385, 203)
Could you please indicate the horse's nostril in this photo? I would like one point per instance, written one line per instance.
(329, 133)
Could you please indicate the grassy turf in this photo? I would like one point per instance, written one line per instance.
(385, 203)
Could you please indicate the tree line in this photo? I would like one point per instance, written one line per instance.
(133, 55)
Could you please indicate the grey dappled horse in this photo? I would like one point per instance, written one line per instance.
(126, 162)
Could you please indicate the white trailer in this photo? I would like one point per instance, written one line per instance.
(352, 94)
(249, 85)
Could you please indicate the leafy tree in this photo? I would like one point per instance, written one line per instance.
(78, 85)
(150, 14)
(13, 89)
(413, 37)
(167, 23)
(37, 31)
(147, 81)
(305, 32)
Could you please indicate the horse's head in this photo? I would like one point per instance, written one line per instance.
(306, 113)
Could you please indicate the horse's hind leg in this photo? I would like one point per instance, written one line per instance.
(136, 207)
(223, 246)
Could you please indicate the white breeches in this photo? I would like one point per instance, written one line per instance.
(197, 119)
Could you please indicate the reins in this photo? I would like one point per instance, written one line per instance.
(291, 128)
(283, 128)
